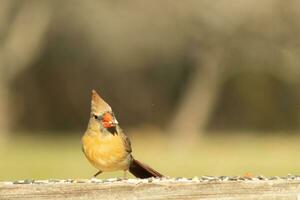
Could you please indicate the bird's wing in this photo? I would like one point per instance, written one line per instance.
(127, 142)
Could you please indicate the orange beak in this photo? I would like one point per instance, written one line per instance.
(109, 121)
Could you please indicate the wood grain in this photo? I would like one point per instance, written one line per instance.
(158, 189)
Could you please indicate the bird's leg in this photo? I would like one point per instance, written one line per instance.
(95, 175)
(125, 174)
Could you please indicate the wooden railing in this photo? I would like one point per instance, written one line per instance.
(205, 187)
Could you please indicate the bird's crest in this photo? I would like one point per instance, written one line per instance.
(98, 105)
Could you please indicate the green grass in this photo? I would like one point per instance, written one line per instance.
(35, 157)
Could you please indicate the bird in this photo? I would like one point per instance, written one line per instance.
(106, 146)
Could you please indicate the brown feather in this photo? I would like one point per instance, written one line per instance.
(98, 105)
(141, 170)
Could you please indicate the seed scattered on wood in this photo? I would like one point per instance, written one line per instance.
(153, 180)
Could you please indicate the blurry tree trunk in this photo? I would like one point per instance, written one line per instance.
(290, 72)
(198, 102)
(4, 112)
(21, 44)
(4, 15)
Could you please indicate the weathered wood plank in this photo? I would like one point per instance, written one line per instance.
(155, 189)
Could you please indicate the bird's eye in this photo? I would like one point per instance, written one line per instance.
(96, 117)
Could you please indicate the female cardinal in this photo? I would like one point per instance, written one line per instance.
(106, 146)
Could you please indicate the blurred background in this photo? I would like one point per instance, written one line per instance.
(201, 87)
